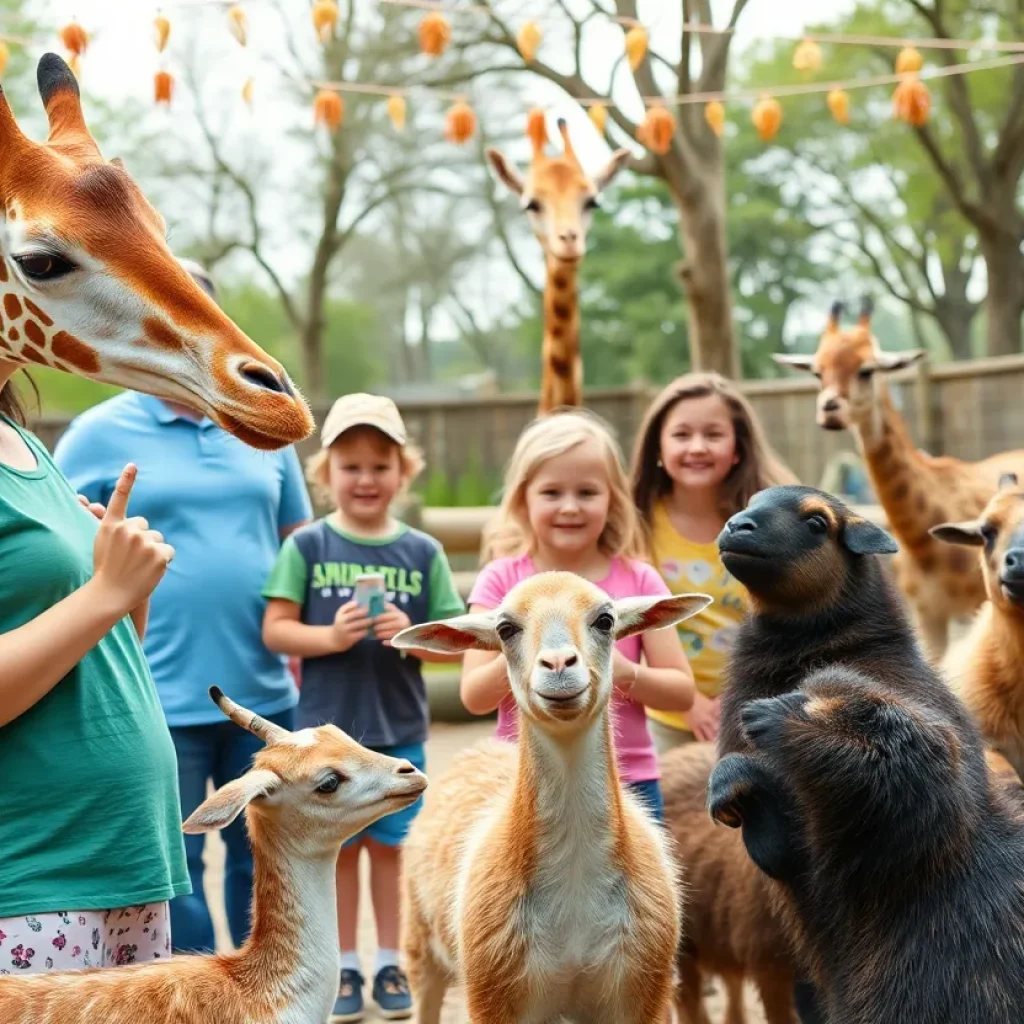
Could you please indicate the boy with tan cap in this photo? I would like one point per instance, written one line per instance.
(351, 676)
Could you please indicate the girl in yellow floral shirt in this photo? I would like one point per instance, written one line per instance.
(700, 456)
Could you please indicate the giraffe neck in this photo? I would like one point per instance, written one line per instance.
(561, 370)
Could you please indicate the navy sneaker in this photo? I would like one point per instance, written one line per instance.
(349, 1004)
(391, 994)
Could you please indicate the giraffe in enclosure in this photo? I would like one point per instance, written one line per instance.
(88, 284)
(559, 198)
(917, 490)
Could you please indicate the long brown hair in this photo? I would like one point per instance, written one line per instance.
(758, 465)
(11, 404)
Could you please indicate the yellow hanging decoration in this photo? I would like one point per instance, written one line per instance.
(396, 111)
(807, 58)
(328, 109)
(528, 40)
(536, 129)
(75, 38)
(460, 123)
(5, 55)
(839, 105)
(598, 114)
(911, 101)
(247, 92)
(657, 130)
(714, 114)
(435, 34)
(163, 87)
(161, 32)
(237, 23)
(909, 59)
(767, 117)
(325, 18)
(636, 45)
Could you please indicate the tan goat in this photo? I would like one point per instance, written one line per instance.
(530, 874)
(986, 666)
(306, 794)
(730, 929)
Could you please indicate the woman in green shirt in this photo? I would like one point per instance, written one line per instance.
(90, 831)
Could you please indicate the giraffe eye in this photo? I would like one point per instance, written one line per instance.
(591, 203)
(44, 266)
(533, 206)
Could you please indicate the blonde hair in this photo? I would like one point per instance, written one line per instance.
(545, 439)
(410, 460)
(758, 465)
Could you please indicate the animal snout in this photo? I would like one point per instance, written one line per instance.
(557, 660)
(830, 404)
(405, 768)
(1012, 575)
(568, 235)
(741, 524)
(263, 377)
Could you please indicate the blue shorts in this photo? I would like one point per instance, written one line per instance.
(391, 829)
(649, 791)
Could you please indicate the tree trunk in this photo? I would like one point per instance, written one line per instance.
(1005, 302)
(954, 319)
(705, 271)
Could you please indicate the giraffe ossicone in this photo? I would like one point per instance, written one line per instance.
(88, 284)
(559, 198)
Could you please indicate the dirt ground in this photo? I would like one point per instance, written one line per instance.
(445, 740)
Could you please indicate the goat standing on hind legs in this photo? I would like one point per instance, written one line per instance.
(306, 793)
(530, 874)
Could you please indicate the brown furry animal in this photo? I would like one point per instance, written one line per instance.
(729, 928)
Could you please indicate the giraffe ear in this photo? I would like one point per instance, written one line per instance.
(889, 361)
(798, 362)
(968, 533)
(604, 177)
(506, 171)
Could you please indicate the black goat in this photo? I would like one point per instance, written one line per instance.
(860, 781)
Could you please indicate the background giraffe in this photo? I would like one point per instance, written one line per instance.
(917, 491)
(559, 198)
(88, 284)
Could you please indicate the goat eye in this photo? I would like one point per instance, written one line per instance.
(604, 622)
(866, 372)
(533, 206)
(44, 266)
(989, 533)
(330, 784)
(507, 631)
(817, 524)
(591, 203)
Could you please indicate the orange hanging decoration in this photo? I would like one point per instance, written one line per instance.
(807, 58)
(657, 130)
(247, 92)
(598, 114)
(328, 109)
(460, 123)
(435, 34)
(325, 18)
(714, 114)
(767, 117)
(75, 63)
(396, 111)
(537, 129)
(839, 105)
(237, 23)
(912, 102)
(636, 45)
(75, 38)
(909, 59)
(5, 55)
(163, 87)
(161, 32)
(528, 40)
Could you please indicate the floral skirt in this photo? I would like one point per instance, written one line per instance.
(75, 939)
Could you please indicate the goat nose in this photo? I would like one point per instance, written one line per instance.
(741, 524)
(265, 378)
(405, 768)
(568, 235)
(1013, 562)
(556, 661)
(830, 405)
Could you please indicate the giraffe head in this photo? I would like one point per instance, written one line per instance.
(999, 533)
(89, 285)
(558, 195)
(851, 366)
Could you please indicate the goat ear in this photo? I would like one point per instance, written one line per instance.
(451, 636)
(863, 537)
(639, 614)
(506, 171)
(604, 177)
(889, 361)
(795, 361)
(1008, 481)
(968, 534)
(219, 810)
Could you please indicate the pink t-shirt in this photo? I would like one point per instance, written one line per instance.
(637, 759)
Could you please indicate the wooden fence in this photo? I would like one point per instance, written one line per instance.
(968, 410)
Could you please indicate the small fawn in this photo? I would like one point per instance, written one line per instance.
(530, 874)
(306, 793)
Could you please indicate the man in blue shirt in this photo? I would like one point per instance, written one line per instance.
(226, 508)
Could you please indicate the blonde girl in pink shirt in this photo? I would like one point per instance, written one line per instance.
(567, 506)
